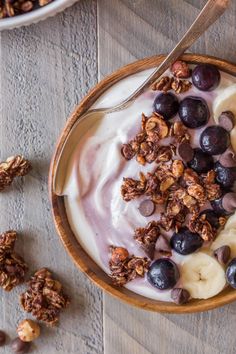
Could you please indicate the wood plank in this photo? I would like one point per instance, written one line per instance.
(45, 70)
(130, 30)
(130, 330)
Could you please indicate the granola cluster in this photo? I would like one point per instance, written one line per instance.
(14, 166)
(185, 200)
(146, 144)
(44, 298)
(124, 267)
(12, 266)
(156, 185)
(10, 8)
(147, 237)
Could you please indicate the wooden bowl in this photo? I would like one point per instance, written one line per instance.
(79, 256)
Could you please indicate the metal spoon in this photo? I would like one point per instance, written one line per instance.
(209, 14)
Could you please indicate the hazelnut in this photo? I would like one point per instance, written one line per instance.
(28, 330)
(119, 254)
(180, 69)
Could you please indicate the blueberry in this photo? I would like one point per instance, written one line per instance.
(218, 207)
(201, 162)
(225, 176)
(163, 274)
(194, 112)
(214, 140)
(167, 105)
(231, 273)
(185, 242)
(211, 217)
(206, 77)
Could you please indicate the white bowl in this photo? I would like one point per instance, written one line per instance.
(36, 15)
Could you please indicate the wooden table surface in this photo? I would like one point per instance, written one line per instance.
(45, 70)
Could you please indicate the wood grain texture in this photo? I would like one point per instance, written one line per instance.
(45, 70)
(130, 30)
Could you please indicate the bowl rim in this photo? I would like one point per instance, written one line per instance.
(36, 15)
(82, 260)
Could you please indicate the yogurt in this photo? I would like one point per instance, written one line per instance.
(98, 215)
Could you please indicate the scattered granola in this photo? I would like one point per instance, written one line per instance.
(213, 190)
(44, 298)
(168, 222)
(201, 226)
(132, 188)
(145, 145)
(12, 266)
(19, 7)
(179, 132)
(128, 268)
(147, 237)
(14, 166)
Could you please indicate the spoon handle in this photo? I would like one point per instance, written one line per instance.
(209, 14)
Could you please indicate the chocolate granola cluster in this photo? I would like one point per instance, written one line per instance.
(145, 146)
(124, 267)
(14, 166)
(44, 298)
(12, 266)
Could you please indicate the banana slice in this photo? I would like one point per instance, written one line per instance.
(226, 237)
(202, 276)
(231, 222)
(226, 101)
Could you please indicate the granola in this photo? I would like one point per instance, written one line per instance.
(145, 145)
(14, 166)
(132, 188)
(44, 298)
(128, 268)
(201, 226)
(12, 266)
(147, 237)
